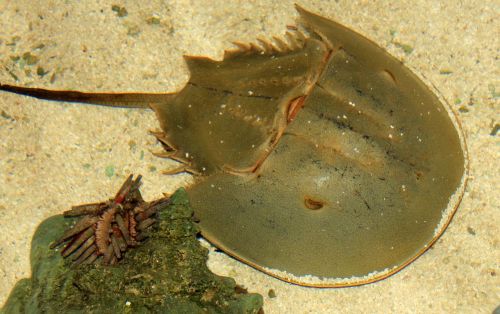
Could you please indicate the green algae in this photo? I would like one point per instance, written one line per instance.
(109, 171)
(167, 273)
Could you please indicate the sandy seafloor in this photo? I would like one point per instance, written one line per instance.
(53, 155)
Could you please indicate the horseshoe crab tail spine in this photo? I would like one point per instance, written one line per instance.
(124, 100)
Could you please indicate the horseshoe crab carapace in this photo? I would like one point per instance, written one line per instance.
(319, 159)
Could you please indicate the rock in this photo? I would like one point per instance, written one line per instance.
(167, 273)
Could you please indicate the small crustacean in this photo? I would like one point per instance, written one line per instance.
(319, 159)
(109, 228)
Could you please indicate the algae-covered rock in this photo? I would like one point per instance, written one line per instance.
(165, 274)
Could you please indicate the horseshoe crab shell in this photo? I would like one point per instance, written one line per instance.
(358, 174)
(322, 160)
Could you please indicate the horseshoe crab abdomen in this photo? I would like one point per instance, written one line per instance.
(232, 112)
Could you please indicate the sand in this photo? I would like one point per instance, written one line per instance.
(53, 155)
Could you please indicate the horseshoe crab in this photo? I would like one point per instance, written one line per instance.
(320, 159)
